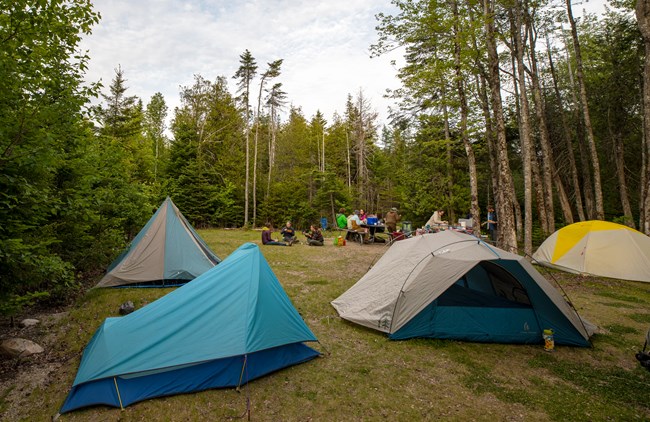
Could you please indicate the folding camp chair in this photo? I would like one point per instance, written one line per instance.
(323, 223)
(405, 233)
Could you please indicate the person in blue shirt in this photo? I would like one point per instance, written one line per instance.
(492, 223)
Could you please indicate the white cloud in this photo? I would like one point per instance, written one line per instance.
(161, 44)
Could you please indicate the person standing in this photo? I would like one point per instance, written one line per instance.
(492, 222)
(392, 217)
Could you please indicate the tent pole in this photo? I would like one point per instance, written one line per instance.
(242, 372)
(118, 393)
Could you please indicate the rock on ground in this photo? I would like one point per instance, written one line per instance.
(19, 347)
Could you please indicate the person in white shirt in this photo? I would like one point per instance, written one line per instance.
(436, 219)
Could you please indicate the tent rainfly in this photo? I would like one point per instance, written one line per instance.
(230, 325)
(599, 248)
(451, 285)
(167, 251)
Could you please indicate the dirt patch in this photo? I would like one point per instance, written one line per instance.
(22, 377)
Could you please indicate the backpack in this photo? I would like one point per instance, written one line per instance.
(644, 357)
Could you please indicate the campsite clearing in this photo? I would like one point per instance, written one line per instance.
(363, 375)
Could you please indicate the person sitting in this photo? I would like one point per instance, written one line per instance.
(268, 240)
(362, 216)
(354, 224)
(392, 217)
(436, 220)
(341, 219)
(288, 233)
(314, 236)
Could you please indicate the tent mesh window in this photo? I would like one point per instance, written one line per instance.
(487, 285)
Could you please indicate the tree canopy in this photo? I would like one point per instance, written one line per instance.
(515, 104)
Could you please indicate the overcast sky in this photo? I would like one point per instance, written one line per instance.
(161, 44)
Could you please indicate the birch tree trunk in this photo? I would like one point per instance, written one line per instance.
(595, 162)
(255, 143)
(516, 17)
(549, 172)
(506, 235)
(462, 99)
(450, 181)
(272, 146)
(568, 145)
(587, 186)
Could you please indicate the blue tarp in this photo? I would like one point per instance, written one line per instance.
(195, 337)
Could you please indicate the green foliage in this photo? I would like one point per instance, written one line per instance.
(204, 171)
(41, 99)
(16, 303)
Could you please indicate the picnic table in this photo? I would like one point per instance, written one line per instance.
(373, 229)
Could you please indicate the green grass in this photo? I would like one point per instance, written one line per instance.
(622, 297)
(363, 375)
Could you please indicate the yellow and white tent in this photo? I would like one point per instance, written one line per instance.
(598, 248)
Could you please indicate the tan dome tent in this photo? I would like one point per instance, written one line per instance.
(454, 286)
(599, 248)
(167, 251)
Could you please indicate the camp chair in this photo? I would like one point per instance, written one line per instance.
(405, 232)
(323, 223)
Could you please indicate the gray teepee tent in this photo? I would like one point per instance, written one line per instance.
(166, 251)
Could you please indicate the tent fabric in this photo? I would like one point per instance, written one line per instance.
(452, 285)
(199, 336)
(598, 248)
(166, 249)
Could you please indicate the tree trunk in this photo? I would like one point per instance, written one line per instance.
(489, 136)
(272, 144)
(347, 144)
(550, 174)
(526, 141)
(539, 194)
(595, 162)
(619, 158)
(566, 132)
(450, 180)
(506, 236)
(643, 19)
(587, 186)
(464, 112)
(247, 182)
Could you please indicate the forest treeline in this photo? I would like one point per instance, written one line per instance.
(512, 103)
